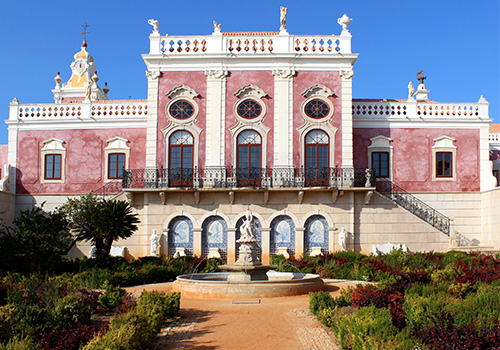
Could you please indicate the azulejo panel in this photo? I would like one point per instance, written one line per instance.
(283, 234)
(180, 236)
(316, 234)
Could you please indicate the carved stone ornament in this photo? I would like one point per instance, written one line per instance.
(283, 73)
(217, 27)
(344, 21)
(347, 74)
(216, 73)
(152, 75)
(250, 90)
(182, 90)
(155, 24)
(283, 11)
(317, 89)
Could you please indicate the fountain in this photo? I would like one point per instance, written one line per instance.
(248, 277)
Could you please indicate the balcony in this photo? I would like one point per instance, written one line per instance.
(256, 178)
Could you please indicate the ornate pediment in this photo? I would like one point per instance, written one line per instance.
(182, 91)
(317, 90)
(250, 91)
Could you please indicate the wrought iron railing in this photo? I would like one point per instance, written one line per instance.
(221, 177)
(414, 205)
(108, 189)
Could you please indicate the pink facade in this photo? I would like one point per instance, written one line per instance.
(302, 81)
(85, 164)
(3, 158)
(412, 164)
(235, 81)
(167, 81)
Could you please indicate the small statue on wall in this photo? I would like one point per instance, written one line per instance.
(342, 239)
(155, 24)
(283, 19)
(88, 91)
(217, 27)
(155, 243)
(411, 90)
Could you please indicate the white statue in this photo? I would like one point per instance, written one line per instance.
(246, 228)
(88, 91)
(155, 243)
(342, 239)
(92, 252)
(217, 27)
(283, 19)
(155, 24)
(411, 90)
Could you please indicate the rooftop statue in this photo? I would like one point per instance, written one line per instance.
(217, 27)
(411, 90)
(283, 19)
(155, 24)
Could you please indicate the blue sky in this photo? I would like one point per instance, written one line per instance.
(455, 42)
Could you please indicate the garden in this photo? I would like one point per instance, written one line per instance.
(48, 301)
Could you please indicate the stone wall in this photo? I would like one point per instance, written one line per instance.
(490, 204)
(7, 201)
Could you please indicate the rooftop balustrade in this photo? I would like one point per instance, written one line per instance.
(258, 178)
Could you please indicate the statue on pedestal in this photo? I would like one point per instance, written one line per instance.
(342, 239)
(155, 243)
(283, 19)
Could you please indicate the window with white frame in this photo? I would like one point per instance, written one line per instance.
(380, 156)
(444, 159)
(116, 157)
(53, 161)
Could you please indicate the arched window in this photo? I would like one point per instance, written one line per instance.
(180, 168)
(214, 237)
(180, 236)
(317, 158)
(316, 234)
(249, 158)
(282, 235)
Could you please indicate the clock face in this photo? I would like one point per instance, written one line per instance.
(80, 66)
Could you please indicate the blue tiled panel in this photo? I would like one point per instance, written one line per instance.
(258, 228)
(316, 234)
(214, 235)
(180, 235)
(283, 234)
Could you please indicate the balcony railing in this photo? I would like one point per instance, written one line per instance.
(221, 177)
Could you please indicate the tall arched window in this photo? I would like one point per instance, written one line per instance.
(180, 167)
(317, 158)
(249, 158)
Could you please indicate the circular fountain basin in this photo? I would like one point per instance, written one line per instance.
(216, 285)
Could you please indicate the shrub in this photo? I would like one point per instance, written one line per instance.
(163, 306)
(8, 314)
(70, 311)
(67, 339)
(90, 298)
(212, 265)
(15, 343)
(319, 301)
(112, 297)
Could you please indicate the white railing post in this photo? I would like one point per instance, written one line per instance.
(483, 107)
(344, 41)
(14, 109)
(155, 43)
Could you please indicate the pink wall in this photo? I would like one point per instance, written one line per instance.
(412, 157)
(168, 80)
(235, 81)
(301, 82)
(3, 158)
(84, 158)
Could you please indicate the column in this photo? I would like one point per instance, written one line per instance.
(152, 119)
(299, 242)
(216, 117)
(265, 244)
(283, 117)
(197, 245)
(347, 156)
(231, 245)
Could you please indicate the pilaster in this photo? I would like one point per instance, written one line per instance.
(265, 245)
(152, 119)
(347, 142)
(484, 158)
(283, 117)
(12, 143)
(197, 245)
(216, 117)
(231, 245)
(299, 242)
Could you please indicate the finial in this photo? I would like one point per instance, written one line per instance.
(155, 24)
(58, 79)
(84, 44)
(482, 100)
(85, 26)
(283, 11)
(344, 21)
(105, 89)
(421, 78)
(95, 78)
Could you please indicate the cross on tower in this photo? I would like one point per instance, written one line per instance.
(84, 33)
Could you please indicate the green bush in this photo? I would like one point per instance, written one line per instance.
(20, 344)
(212, 265)
(319, 301)
(112, 297)
(8, 314)
(158, 307)
(95, 278)
(69, 311)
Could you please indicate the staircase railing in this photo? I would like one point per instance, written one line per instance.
(109, 189)
(414, 205)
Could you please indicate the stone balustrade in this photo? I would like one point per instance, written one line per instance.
(494, 137)
(250, 43)
(411, 109)
(85, 109)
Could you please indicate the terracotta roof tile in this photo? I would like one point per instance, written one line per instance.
(250, 33)
(494, 128)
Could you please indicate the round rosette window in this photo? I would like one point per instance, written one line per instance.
(181, 109)
(249, 109)
(317, 109)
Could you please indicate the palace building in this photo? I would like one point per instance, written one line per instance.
(266, 122)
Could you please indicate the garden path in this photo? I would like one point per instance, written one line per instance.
(265, 323)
